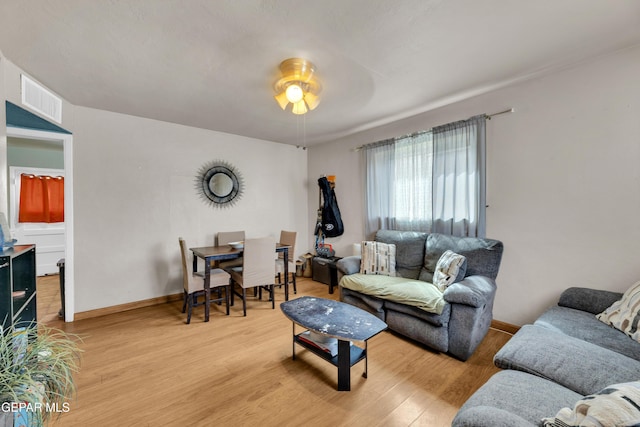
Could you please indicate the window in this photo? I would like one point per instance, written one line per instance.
(431, 181)
(41, 199)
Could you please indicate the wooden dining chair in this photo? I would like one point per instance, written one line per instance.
(224, 238)
(193, 283)
(256, 271)
(287, 238)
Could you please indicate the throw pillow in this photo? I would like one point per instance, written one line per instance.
(450, 268)
(625, 313)
(617, 405)
(378, 258)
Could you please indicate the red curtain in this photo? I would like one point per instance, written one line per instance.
(41, 198)
(55, 189)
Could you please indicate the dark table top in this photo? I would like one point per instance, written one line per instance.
(333, 318)
(223, 252)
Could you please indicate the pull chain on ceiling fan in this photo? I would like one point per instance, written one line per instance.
(298, 86)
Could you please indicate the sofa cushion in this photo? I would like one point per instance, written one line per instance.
(544, 352)
(483, 255)
(513, 399)
(410, 247)
(349, 264)
(624, 314)
(474, 291)
(411, 292)
(368, 303)
(451, 268)
(615, 405)
(434, 319)
(378, 258)
(582, 325)
(435, 337)
(586, 299)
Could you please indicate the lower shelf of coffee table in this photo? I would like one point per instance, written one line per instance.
(356, 353)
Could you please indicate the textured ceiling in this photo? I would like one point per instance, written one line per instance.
(211, 64)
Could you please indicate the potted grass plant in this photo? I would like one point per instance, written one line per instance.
(37, 367)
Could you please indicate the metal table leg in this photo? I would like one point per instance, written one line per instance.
(344, 368)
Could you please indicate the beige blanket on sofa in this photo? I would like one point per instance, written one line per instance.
(423, 295)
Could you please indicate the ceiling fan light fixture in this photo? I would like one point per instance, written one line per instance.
(298, 69)
(298, 86)
(294, 93)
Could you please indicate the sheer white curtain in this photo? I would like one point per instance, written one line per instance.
(431, 181)
(412, 180)
(398, 177)
(380, 182)
(459, 202)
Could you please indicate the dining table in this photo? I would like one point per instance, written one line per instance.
(226, 252)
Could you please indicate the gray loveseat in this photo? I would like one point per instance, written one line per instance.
(566, 354)
(468, 304)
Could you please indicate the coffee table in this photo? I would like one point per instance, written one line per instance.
(334, 319)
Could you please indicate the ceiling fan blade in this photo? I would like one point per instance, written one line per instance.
(311, 100)
(282, 100)
(299, 107)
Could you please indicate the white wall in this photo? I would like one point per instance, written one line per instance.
(563, 180)
(135, 195)
(4, 167)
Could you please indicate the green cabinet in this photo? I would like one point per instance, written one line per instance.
(18, 285)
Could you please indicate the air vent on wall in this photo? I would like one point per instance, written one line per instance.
(40, 100)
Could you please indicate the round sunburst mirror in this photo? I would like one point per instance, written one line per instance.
(219, 184)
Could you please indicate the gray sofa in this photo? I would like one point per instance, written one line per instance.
(566, 354)
(467, 312)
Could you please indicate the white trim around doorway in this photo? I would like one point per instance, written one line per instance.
(67, 141)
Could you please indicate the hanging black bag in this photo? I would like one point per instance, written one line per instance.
(331, 220)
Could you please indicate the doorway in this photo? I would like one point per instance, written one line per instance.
(66, 140)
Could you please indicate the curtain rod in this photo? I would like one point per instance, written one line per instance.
(510, 110)
(488, 116)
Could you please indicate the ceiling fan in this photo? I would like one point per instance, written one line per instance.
(297, 86)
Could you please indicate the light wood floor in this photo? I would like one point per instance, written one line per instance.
(48, 298)
(146, 367)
